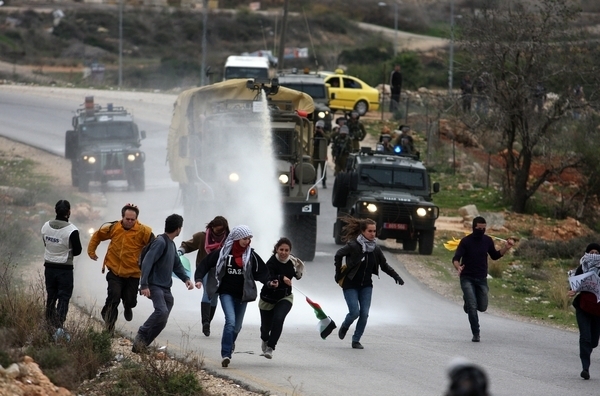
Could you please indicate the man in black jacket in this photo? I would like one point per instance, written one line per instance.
(395, 88)
(62, 243)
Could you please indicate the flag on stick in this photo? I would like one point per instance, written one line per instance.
(326, 324)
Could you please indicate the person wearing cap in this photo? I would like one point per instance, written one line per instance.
(212, 238)
(321, 139)
(588, 323)
(471, 262)
(158, 266)
(61, 244)
(341, 148)
(356, 130)
(127, 239)
(237, 267)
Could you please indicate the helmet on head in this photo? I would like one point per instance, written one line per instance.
(344, 129)
(320, 123)
(354, 114)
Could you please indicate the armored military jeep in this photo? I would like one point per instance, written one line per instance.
(104, 145)
(393, 190)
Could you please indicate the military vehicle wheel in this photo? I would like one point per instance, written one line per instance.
(302, 231)
(74, 177)
(409, 246)
(362, 107)
(139, 181)
(426, 242)
(337, 232)
(341, 189)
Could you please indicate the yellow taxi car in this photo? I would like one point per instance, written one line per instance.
(350, 93)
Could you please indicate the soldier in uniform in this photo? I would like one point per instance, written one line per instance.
(356, 130)
(341, 148)
(321, 138)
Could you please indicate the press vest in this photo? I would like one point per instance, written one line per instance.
(57, 242)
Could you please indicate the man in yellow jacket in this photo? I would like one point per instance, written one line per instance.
(127, 238)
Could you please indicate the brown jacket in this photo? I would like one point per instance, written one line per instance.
(124, 248)
(196, 243)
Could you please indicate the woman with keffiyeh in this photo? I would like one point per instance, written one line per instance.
(363, 259)
(236, 268)
(589, 325)
(205, 242)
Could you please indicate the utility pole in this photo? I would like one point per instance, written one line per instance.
(204, 30)
(451, 61)
(282, 37)
(395, 28)
(120, 43)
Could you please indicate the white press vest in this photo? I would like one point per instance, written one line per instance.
(57, 242)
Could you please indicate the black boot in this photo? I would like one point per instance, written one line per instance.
(205, 309)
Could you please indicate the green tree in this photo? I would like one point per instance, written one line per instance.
(529, 61)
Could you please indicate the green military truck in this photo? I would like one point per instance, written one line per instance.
(207, 157)
(104, 145)
(393, 190)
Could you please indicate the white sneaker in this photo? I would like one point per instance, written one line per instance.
(268, 353)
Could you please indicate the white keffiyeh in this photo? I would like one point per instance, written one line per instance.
(589, 262)
(237, 233)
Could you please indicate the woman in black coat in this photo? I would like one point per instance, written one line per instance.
(276, 303)
(363, 259)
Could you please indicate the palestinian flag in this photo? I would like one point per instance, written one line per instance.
(326, 324)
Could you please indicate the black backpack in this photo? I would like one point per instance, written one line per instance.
(145, 249)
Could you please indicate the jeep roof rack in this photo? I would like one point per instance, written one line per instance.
(369, 151)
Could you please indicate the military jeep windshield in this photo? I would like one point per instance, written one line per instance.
(392, 177)
(108, 131)
(316, 91)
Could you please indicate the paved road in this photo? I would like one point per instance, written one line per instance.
(412, 332)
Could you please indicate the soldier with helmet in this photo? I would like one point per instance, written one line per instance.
(357, 130)
(341, 148)
(321, 141)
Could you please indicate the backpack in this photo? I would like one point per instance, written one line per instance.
(145, 249)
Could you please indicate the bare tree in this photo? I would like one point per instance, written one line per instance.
(530, 60)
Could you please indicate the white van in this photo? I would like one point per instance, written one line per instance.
(246, 67)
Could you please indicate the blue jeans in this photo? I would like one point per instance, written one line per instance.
(589, 334)
(359, 304)
(234, 310)
(475, 295)
(163, 301)
(205, 298)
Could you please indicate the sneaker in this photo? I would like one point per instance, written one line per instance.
(475, 338)
(263, 346)
(268, 353)
(342, 332)
(357, 345)
(585, 375)
(128, 313)
(225, 361)
(139, 345)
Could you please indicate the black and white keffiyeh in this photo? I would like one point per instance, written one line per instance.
(237, 233)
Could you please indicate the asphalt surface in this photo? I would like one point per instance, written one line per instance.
(412, 332)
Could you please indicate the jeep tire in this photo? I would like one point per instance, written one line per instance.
(426, 242)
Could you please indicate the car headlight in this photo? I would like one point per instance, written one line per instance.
(284, 178)
(421, 212)
(234, 177)
(89, 159)
(369, 207)
(132, 157)
(321, 114)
